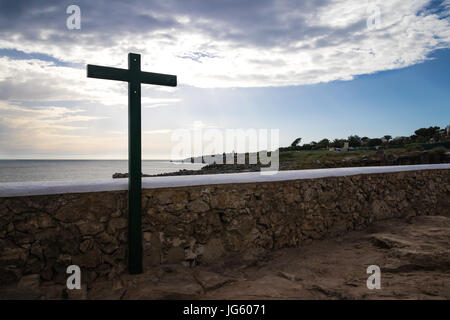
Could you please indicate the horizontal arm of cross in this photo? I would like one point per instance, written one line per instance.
(109, 73)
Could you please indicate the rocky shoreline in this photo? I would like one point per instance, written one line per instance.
(119, 175)
(379, 158)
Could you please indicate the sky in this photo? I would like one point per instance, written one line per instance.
(313, 69)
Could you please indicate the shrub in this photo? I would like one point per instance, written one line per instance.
(439, 150)
(414, 147)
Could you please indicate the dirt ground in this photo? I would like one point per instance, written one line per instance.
(413, 255)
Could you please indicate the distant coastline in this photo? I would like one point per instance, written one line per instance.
(23, 170)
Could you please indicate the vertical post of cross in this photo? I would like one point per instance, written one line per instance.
(134, 166)
(134, 76)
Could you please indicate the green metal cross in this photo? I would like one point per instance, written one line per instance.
(134, 76)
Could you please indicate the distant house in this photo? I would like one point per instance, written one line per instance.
(345, 148)
(447, 130)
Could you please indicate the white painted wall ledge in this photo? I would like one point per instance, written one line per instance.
(13, 189)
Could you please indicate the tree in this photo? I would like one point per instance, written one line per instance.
(387, 137)
(399, 141)
(412, 138)
(375, 142)
(337, 143)
(364, 140)
(296, 142)
(426, 132)
(322, 144)
(354, 141)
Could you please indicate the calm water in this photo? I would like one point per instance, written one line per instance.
(69, 170)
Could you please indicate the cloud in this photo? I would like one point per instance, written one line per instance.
(197, 56)
(232, 43)
(158, 102)
(42, 128)
(160, 131)
(115, 132)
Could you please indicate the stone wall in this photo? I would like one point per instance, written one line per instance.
(42, 235)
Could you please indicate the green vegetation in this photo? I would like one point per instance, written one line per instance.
(433, 141)
(417, 141)
(320, 158)
(439, 150)
(296, 142)
(317, 159)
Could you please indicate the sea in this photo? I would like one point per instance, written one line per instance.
(72, 170)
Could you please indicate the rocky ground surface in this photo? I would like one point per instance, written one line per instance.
(413, 254)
